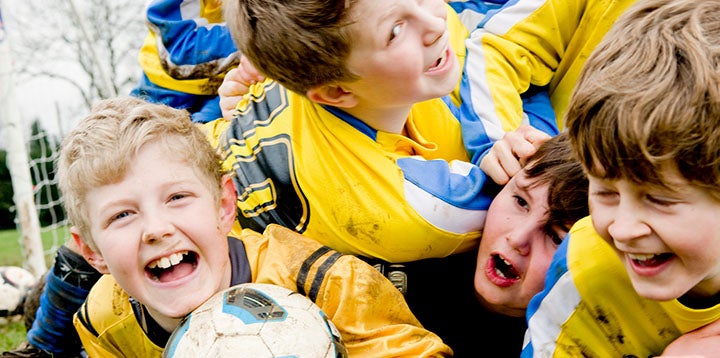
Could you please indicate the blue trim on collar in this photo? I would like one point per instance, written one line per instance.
(354, 122)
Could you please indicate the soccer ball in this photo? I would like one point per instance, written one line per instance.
(256, 320)
(15, 283)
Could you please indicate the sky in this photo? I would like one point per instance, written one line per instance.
(56, 103)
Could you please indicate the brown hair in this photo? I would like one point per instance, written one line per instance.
(554, 164)
(648, 97)
(300, 44)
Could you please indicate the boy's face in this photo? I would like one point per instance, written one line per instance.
(401, 52)
(668, 240)
(161, 234)
(516, 247)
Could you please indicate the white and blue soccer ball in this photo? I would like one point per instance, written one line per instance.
(15, 283)
(256, 320)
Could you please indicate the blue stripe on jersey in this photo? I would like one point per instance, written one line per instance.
(539, 110)
(558, 268)
(475, 10)
(188, 38)
(454, 198)
(457, 183)
(476, 139)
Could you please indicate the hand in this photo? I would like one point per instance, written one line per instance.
(702, 342)
(509, 155)
(237, 83)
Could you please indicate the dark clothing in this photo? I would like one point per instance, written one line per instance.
(441, 294)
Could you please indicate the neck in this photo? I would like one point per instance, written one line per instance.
(386, 119)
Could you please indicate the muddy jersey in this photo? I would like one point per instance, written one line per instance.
(590, 309)
(368, 311)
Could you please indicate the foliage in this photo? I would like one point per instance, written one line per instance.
(7, 219)
(41, 152)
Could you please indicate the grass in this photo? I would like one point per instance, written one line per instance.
(12, 331)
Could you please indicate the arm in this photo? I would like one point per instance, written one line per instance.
(374, 315)
(190, 41)
(702, 342)
(367, 309)
(512, 51)
(185, 55)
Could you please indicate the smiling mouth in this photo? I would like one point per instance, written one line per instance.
(171, 267)
(440, 62)
(649, 260)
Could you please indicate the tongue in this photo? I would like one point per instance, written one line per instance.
(655, 261)
(175, 272)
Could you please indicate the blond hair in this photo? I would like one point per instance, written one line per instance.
(101, 148)
(648, 97)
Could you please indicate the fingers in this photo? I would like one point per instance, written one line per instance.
(509, 155)
(526, 140)
(248, 73)
(236, 84)
(492, 166)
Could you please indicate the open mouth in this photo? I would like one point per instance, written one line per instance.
(649, 260)
(504, 269)
(440, 61)
(173, 266)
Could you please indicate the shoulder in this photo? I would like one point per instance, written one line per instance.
(106, 305)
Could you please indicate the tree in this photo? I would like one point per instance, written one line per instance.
(79, 46)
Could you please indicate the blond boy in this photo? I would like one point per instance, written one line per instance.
(151, 208)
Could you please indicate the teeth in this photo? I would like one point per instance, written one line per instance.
(641, 257)
(167, 261)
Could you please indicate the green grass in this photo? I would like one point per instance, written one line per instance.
(12, 331)
(11, 253)
(11, 335)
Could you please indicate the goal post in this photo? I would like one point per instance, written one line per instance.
(11, 133)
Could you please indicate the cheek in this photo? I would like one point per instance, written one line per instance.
(535, 278)
(601, 220)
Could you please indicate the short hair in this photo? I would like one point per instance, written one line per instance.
(648, 97)
(567, 197)
(299, 44)
(101, 148)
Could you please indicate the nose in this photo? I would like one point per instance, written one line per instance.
(435, 24)
(519, 239)
(156, 228)
(627, 223)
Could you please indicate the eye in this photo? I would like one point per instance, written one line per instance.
(556, 234)
(659, 201)
(118, 216)
(394, 32)
(520, 201)
(177, 196)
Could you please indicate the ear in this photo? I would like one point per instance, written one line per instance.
(228, 202)
(332, 95)
(93, 258)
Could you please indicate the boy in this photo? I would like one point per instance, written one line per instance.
(357, 149)
(150, 205)
(525, 224)
(644, 121)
